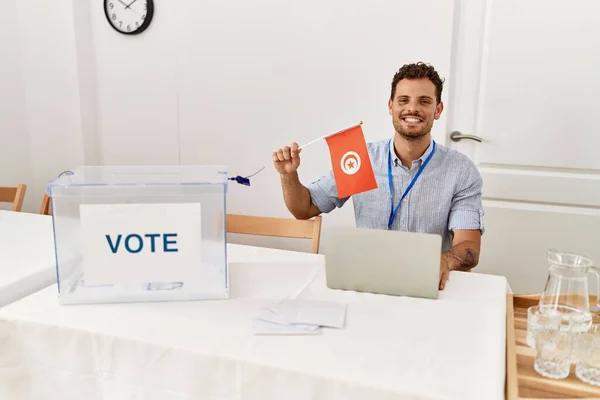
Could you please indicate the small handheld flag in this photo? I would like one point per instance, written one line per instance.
(350, 160)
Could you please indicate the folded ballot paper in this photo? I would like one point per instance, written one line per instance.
(299, 317)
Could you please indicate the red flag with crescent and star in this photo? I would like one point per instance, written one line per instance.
(350, 160)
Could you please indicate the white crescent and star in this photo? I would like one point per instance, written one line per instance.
(350, 163)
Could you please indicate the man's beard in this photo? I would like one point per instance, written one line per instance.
(411, 135)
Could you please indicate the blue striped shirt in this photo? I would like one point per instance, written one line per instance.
(446, 197)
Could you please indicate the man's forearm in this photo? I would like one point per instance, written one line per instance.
(463, 257)
(296, 196)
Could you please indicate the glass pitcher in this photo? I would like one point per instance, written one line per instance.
(567, 285)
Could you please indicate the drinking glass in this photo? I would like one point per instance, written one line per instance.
(587, 366)
(539, 317)
(553, 351)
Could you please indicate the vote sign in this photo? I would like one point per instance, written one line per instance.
(141, 243)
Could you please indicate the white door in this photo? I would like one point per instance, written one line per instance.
(525, 81)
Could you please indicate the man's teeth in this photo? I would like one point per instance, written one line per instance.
(412, 120)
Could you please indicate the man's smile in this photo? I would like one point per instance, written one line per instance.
(412, 120)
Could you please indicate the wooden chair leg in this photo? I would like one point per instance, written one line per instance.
(19, 197)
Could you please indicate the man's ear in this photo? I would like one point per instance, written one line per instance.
(439, 109)
(390, 106)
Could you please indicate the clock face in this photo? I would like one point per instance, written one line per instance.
(129, 17)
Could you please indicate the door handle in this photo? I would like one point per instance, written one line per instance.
(456, 136)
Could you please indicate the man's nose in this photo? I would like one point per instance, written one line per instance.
(413, 107)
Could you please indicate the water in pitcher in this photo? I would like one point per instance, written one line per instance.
(567, 285)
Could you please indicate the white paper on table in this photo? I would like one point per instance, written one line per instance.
(260, 327)
(268, 315)
(310, 312)
(273, 316)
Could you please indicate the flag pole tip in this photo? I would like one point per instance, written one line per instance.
(361, 122)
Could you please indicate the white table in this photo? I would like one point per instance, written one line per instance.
(391, 347)
(26, 254)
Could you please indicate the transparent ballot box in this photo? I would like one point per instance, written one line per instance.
(129, 234)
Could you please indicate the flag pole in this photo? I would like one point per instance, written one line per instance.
(329, 135)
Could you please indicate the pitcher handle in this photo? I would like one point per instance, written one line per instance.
(596, 307)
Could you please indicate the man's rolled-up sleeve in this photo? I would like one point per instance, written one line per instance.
(466, 211)
(323, 193)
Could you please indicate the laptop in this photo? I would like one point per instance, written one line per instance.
(382, 261)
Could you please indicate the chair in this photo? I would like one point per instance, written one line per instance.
(277, 227)
(45, 209)
(14, 195)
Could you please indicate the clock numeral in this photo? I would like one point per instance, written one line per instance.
(128, 28)
(120, 24)
(144, 16)
(114, 17)
(112, 5)
(146, 6)
(137, 23)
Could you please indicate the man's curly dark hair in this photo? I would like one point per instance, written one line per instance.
(419, 70)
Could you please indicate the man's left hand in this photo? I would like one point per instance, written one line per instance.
(444, 272)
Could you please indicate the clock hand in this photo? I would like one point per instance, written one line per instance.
(128, 6)
(132, 9)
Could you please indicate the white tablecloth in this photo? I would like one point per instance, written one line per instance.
(26, 254)
(391, 347)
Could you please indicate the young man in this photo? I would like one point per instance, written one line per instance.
(444, 199)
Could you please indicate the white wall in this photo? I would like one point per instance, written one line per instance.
(281, 72)
(14, 142)
(227, 83)
(136, 87)
(86, 71)
(207, 83)
(52, 109)
(40, 124)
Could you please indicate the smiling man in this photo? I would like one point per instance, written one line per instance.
(422, 185)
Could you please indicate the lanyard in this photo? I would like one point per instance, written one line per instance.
(410, 185)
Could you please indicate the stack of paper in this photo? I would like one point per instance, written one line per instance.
(299, 317)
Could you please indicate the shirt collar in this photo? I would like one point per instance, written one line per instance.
(396, 161)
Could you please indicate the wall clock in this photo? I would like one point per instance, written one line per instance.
(129, 17)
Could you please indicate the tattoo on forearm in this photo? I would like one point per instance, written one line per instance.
(464, 261)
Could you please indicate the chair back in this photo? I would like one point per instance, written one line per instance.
(14, 195)
(277, 227)
(45, 208)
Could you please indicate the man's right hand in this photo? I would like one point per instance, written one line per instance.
(287, 159)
